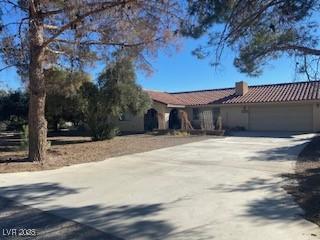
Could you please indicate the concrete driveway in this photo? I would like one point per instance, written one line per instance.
(221, 188)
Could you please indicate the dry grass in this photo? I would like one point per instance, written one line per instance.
(68, 149)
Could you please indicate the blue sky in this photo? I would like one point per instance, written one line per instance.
(181, 71)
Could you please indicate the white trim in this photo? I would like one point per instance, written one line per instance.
(175, 106)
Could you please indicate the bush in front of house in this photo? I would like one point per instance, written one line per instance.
(115, 93)
(101, 131)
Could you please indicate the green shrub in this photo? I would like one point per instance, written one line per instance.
(82, 127)
(24, 137)
(16, 123)
(100, 130)
(3, 126)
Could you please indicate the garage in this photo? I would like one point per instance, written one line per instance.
(281, 118)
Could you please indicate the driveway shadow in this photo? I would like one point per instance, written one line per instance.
(263, 134)
(130, 221)
(277, 154)
(44, 226)
(277, 206)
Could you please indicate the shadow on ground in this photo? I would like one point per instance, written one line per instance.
(15, 159)
(284, 153)
(11, 141)
(129, 221)
(9, 144)
(46, 226)
(280, 153)
(278, 207)
(262, 134)
(55, 142)
(303, 185)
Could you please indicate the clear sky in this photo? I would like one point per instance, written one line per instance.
(181, 71)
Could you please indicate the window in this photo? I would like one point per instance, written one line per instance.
(195, 113)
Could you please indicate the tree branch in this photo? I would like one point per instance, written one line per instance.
(78, 19)
(123, 44)
(55, 51)
(50, 27)
(32, 7)
(302, 49)
(6, 67)
(52, 12)
(14, 5)
(252, 18)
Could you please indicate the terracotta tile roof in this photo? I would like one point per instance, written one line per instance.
(285, 92)
(164, 97)
(204, 97)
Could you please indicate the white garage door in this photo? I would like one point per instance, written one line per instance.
(281, 118)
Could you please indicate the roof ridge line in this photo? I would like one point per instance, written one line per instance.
(250, 86)
(204, 90)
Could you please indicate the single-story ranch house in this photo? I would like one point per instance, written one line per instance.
(276, 107)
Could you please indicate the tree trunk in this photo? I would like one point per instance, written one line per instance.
(37, 121)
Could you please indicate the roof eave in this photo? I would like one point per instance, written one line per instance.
(175, 106)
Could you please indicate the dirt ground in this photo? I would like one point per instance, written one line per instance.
(70, 148)
(305, 184)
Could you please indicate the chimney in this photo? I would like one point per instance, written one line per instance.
(241, 88)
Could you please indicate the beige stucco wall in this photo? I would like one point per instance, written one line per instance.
(162, 108)
(234, 116)
(316, 117)
(195, 123)
(290, 116)
(281, 117)
(294, 116)
(136, 123)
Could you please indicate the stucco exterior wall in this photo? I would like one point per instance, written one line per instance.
(281, 117)
(133, 123)
(195, 123)
(290, 116)
(162, 108)
(316, 117)
(234, 116)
